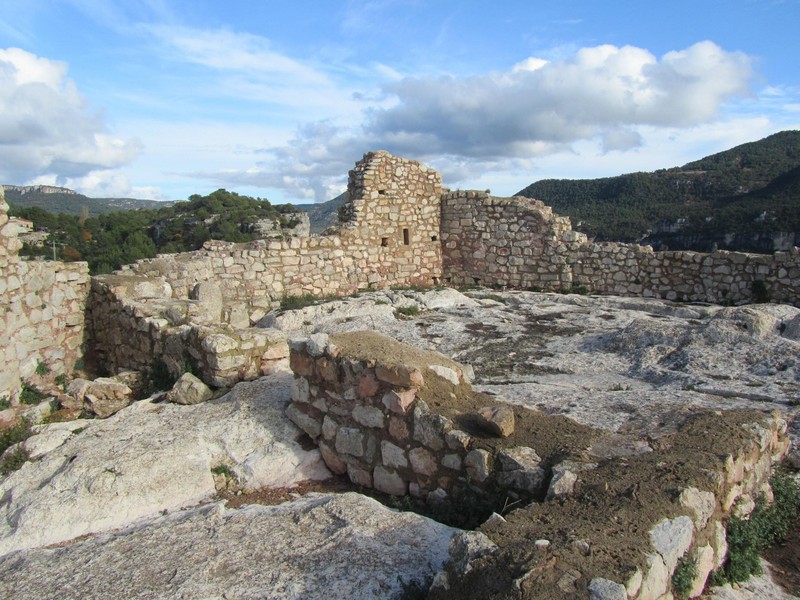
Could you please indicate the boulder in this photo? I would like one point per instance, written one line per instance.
(189, 390)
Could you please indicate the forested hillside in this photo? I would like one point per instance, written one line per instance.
(745, 198)
(72, 203)
(118, 238)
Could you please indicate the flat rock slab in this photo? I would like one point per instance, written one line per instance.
(306, 549)
(150, 458)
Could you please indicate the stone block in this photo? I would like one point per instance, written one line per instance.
(518, 457)
(350, 441)
(422, 462)
(400, 375)
(671, 538)
(477, 464)
(605, 589)
(393, 456)
(497, 420)
(358, 475)
(304, 421)
(332, 460)
(368, 416)
(399, 401)
(389, 482)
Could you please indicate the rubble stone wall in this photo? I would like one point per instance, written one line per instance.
(369, 422)
(41, 313)
(367, 414)
(520, 242)
(135, 323)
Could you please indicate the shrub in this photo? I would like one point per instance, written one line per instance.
(222, 470)
(61, 381)
(42, 369)
(30, 395)
(4, 403)
(407, 311)
(683, 577)
(19, 432)
(767, 525)
(158, 378)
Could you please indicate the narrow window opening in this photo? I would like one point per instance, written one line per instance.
(382, 192)
(434, 238)
(435, 281)
(477, 280)
(405, 237)
(448, 279)
(384, 241)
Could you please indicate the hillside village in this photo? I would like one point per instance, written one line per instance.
(598, 412)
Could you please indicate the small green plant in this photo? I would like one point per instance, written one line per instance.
(42, 369)
(767, 525)
(80, 365)
(575, 288)
(496, 298)
(379, 302)
(13, 460)
(407, 311)
(30, 395)
(61, 381)
(158, 378)
(296, 302)
(4, 402)
(18, 432)
(683, 577)
(222, 470)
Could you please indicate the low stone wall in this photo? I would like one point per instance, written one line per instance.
(405, 421)
(370, 421)
(41, 313)
(520, 242)
(134, 322)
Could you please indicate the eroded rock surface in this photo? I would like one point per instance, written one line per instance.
(318, 547)
(97, 475)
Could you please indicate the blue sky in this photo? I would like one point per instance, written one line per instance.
(167, 98)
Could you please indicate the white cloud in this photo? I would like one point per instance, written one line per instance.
(46, 126)
(493, 122)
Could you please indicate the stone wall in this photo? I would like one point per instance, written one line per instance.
(520, 242)
(389, 236)
(405, 421)
(41, 313)
(135, 323)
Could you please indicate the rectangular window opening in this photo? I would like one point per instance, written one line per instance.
(384, 241)
(434, 238)
(405, 237)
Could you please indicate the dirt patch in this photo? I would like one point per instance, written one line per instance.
(602, 530)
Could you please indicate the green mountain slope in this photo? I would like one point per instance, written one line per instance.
(745, 198)
(324, 214)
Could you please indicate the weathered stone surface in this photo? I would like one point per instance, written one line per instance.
(368, 416)
(477, 464)
(189, 390)
(518, 457)
(304, 421)
(497, 420)
(350, 441)
(704, 563)
(399, 401)
(445, 373)
(700, 503)
(150, 458)
(526, 480)
(671, 538)
(605, 589)
(317, 343)
(393, 456)
(104, 396)
(267, 552)
(389, 482)
(422, 461)
(562, 484)
(400, 375)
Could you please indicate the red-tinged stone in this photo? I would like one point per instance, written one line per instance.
(367, 386)
(301, 364)
(400, 375)
(400, 401)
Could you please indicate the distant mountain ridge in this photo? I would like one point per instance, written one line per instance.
(64, 200)
(746, 198)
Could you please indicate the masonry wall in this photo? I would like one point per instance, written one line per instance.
(521, 243)
(370, 404)
(41, 312)
(388, 237)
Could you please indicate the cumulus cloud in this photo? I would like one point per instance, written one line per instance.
(537, 108)
(46, 126)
